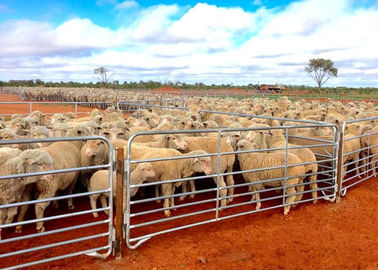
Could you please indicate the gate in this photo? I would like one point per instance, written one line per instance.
(223, 194)
(68, 232)
(359, 152)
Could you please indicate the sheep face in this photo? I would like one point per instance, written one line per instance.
(93, 147)
(78, 131)
(243, 145)
(151, 122)
(201, 164)
(7, 134)
(35, 160)
(119, 133)
(146, 170)
(176, 142)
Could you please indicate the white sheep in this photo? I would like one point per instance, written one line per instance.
(172, 169)
(210, 145)
(259, 160)
(13, 161)
(276, 139)
(99, 181)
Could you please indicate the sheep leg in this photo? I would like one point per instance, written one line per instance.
(256, 196)
(314, 187)
(167, 190)
(222, 192)
(104, 204)
(230, 182)
(192, 188)
(290, 191)
(299, 189)
(363, 168)
(70, 189)
(355, 159)
(183, 187)
(157, 193)
(12, 211)
(93, 202)
(41, 207)
(23, 209)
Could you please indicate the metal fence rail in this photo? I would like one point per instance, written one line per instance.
(58, 237)
(144, 219)
(360, 152)
(133, 105)
(75, 106)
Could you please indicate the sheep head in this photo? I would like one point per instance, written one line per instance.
(35, 160)
(175, 142)
(201, 164)
(93, 147)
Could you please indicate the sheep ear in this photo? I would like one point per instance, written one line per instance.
(195, 159)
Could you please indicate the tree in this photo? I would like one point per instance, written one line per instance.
(103, 75)
(321, 70)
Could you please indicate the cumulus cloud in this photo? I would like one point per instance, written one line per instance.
(127, 5)
(200, 43)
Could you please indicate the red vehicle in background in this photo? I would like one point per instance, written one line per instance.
(268, 88)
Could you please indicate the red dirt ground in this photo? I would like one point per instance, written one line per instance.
(327, 235)
(46, 108)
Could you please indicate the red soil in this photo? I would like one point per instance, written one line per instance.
(45, 108)
(325, 235)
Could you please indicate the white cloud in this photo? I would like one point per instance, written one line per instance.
(105, 2)
(202, 43)
(127, 5)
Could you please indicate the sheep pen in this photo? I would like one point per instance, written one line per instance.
(328, 235)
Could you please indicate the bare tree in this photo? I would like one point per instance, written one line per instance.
(103, 75)
(321, 70)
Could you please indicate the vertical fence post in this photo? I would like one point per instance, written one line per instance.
(76, 109)
(119, 202)
(30, 107)
(340, 171)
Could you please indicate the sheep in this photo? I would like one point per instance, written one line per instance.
(371, 141)
(172, 141)
(352, 144)
(13, 161)
(59, 130)
(276, 139)
(210, 145)
(99, 181)
(258, 160)
(172, 169)
(19, 126)
(58, 118)
(7, 134)
(93, 152)
(65, 155)
(119, 133)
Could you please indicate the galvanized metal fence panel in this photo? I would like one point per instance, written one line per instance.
(30, 106)
(144, 219)
(133, 105)
(58, 237)
(360, 152)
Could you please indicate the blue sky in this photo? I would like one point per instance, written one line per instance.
(237, 42)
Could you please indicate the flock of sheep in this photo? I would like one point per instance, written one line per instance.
(288, 173)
